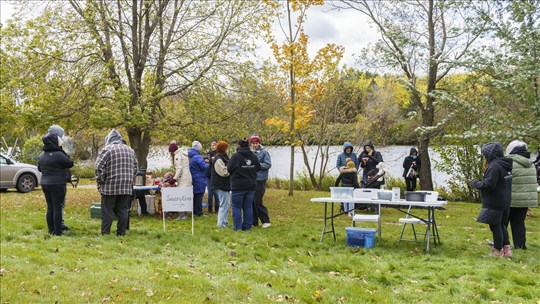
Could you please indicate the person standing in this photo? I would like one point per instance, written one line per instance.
(243, 167)
(259, 209)
(173, 147)
(212, 197)
(183, 174)
(197, 167)
(115, 169)
(341, 161)
(54, 165)
(495, 193)
(348, 178)
(524, 194)
(411, 167)
(369, 159)
(221, 182)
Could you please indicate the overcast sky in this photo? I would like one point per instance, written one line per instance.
(347, 28)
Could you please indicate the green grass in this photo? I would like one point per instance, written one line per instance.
(284, 263)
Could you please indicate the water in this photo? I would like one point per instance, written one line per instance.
(281, 160)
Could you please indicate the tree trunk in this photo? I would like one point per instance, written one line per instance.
(426, 181)
(140, 142)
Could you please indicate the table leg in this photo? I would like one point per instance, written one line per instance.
(325, 218)
(332, 222)
(428, 230)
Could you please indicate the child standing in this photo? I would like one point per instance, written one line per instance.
(348, 178)
(495, 193)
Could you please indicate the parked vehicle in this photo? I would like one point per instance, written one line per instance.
(23, 177)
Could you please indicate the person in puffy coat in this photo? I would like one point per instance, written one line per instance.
(197, 167)
(411, 167)
(524, 193)
(369, 159)
(495, 193)
(54, 165)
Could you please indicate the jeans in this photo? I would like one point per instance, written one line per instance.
(500, 233)
(212, 197)
(242, 202)
(223, 212)
(516, 219)
(197, 204)
(259, 209)
(55, 196)
(112, 205)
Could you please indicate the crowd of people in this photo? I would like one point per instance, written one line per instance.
(508, 189)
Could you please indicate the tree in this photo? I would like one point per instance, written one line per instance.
(305, 77)
(131, 55)
(421, 38)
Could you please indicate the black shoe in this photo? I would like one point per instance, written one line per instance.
(65, 228)
(145, 213)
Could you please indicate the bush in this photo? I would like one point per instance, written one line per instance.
(31, 150)
(83, 171)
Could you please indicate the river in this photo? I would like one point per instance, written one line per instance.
(281, 160)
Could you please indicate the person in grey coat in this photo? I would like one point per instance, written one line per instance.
(260, 212)
(115, 169)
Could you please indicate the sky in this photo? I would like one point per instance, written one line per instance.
(347, 28)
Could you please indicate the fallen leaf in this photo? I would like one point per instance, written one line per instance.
(149, 292)
(119, 297)
(273, 272)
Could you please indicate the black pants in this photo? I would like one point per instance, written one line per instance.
(197, 204)
(516, 218)
(112, 205)
(140, 195)
(410, 183)
(500, 233)
(55, 195)
(260, 212)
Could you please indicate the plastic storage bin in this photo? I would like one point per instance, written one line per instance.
(341, 192)
(431, 196)
(415, 196)
(360, 237)
(385, 195)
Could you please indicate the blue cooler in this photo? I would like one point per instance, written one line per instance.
(360, 237)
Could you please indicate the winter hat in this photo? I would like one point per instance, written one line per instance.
(222, 146)
(196, 145)
(350, 164)
(492, 151)
(243, 142)
(254, 138)
(56, 130)
(514, 144)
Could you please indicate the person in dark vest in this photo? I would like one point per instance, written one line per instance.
(260, 212)
(221, 182)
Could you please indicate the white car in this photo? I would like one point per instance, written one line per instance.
(23, 177)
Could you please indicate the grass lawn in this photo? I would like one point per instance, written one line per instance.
(284, 263)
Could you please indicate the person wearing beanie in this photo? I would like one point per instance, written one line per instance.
(243, 167)
(524, 193)
(198, 167)
(369, 158)
(221, 182)
(347, 153)
(213, 200)
(260, 212)
(173, 147)
(348, 178)
(411, 167)
(54, 165)
(56, 130)
(495, 193)
(59, 132)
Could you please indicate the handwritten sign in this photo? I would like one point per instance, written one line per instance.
(177, 199)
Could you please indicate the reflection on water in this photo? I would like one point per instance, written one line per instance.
(281, 160)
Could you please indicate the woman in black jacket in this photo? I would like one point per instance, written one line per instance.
(54, 165)
(411, 167)
(495, 193)
(369, 159)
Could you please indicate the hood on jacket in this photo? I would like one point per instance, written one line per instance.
(368, 143)
(181, 151)
(347, 145)
(112, 137)
(521, 150)
(520, 159)
(245, 151)
(51, 142)
(413, 150)
(505, 162)
(515, 144)
(492, 151)
(193, 152)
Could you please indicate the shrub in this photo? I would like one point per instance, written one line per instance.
(31, 150)
(83, 171)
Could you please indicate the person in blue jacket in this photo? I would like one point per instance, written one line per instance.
(54, 165)
(198, 168)
(341, 161)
